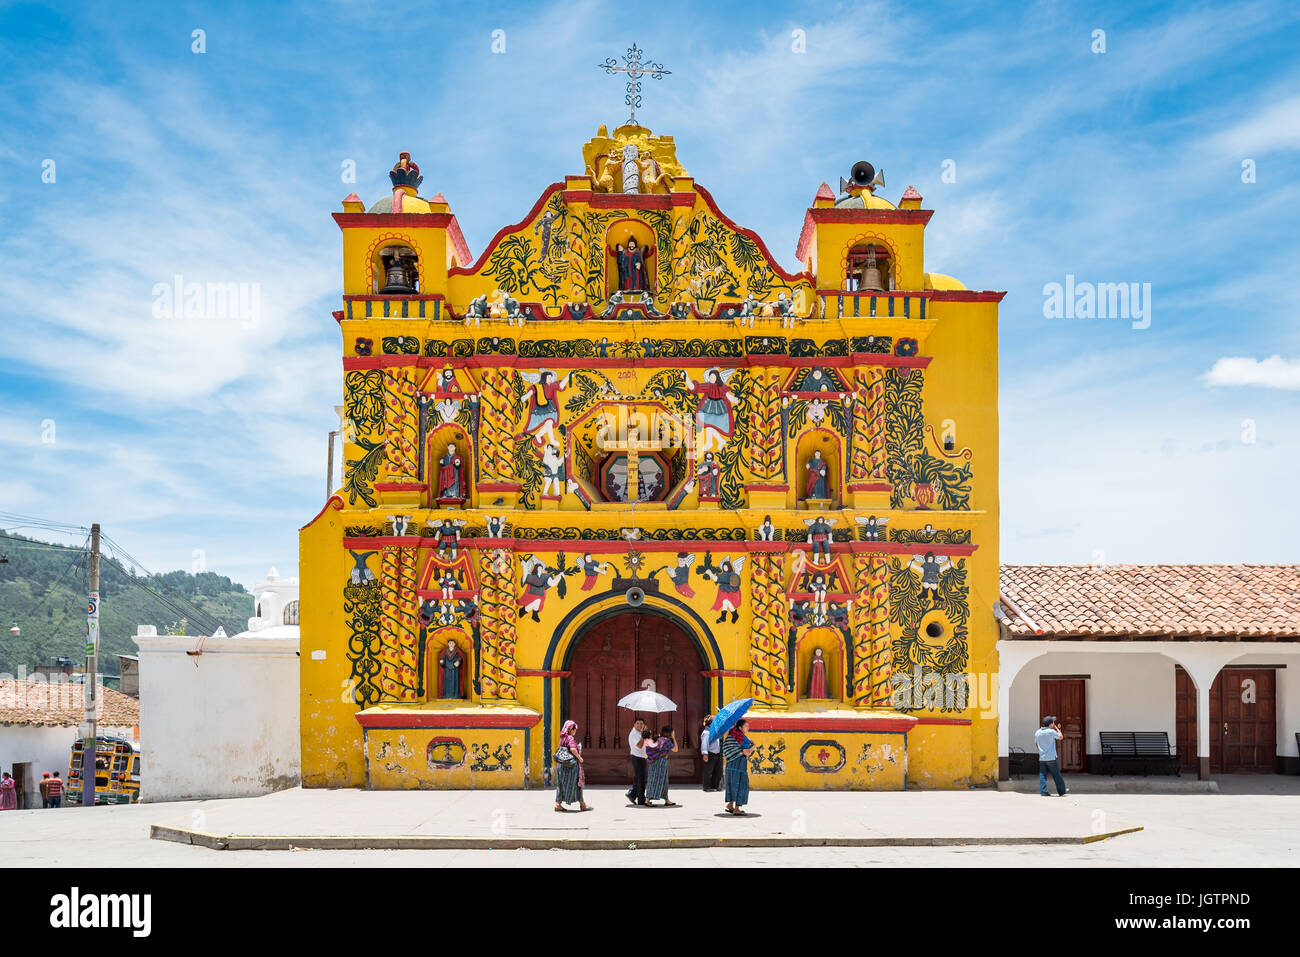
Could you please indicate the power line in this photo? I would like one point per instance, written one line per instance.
(80, 556)
(201, 618)
(197, 612)
(33, 543)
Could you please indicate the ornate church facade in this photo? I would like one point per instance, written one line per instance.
(624, 448)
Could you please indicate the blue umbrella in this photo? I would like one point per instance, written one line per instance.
(727, 717)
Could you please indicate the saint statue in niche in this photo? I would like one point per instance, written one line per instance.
(817, 675)
(631, 266)
(819, 477)
(452, 663)
(451, 471)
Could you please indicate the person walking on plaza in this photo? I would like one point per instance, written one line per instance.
(1048, 762)
(657, 770)
(8, 796)
(44, 788)
(711, 752)
(55, 790)
(736, 749)
(568, 769)
(635, 743)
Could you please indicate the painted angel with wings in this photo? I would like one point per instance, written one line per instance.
(871, 527)
(448, 535)
(679, 574)
(727, 575)
(819, 535)
(543, 404)
(714, 419)
(929, 565)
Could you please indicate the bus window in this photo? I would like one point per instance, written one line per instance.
(135, 770)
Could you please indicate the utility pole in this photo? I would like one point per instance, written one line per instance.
(90, 744)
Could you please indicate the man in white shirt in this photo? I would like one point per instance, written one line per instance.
(711, 752)
(636, 793)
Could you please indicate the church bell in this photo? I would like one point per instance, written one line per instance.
(399, 274)
(871, 274)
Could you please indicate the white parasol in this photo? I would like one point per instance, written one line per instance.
(647, 699)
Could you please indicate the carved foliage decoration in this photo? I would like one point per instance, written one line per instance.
(363, 403)
(915, 473)
(771, 623)
(908, 606)
(361, 608)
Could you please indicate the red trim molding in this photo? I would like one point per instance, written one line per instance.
(648, 362)
(891, 724)
(401, 487)
(722, 673)
(334, 501)
(579, 546)
(442, 719)
(502, 233)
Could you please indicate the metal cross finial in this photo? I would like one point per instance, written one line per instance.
(635, 69)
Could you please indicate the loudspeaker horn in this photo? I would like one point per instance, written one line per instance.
(634, 596)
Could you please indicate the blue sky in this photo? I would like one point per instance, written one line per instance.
(203, 441)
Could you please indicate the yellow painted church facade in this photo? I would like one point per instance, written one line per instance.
(624, 448)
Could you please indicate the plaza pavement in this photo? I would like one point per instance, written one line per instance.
(1250, 822)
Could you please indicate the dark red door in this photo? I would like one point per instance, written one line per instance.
(1064, 697)
(1246, 722)
(1243, 721)
(1185, 720)
(612, 659)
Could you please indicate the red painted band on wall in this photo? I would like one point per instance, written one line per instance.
(440, 719)
(797, 725)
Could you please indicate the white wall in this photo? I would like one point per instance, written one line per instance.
(1126, 692)
(45, 749)
(220, 724)
(1132, 684)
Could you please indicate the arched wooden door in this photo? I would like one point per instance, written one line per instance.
(611, 660)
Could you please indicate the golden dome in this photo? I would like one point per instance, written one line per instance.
(937, 280)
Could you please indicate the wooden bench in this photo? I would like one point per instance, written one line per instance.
(1144, 749)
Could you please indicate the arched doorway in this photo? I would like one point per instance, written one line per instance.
(611, 658)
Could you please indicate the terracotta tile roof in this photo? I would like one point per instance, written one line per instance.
(1231, 602)
(60, 705)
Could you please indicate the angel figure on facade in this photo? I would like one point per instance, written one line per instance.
(929, 566)
(543, 406)
(714, 418)
(727, 577)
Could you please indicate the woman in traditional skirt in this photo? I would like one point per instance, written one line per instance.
(656, 787)
(736, 749)
(569, 778)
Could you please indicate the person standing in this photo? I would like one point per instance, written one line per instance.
(8, 796)
(736, 749)
(1048, 762)
(56, 790)
(45, 789)
(568, 769)
(636, 744)
(657, 766)
(711, 752)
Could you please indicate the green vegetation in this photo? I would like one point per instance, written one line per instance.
(44, 589)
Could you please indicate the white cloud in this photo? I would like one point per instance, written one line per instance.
(1271, 373)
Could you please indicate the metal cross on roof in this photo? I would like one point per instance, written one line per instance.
(635, 69)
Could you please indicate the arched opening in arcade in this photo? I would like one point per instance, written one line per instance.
(614, 655)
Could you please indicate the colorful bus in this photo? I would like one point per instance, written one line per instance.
(117, 772)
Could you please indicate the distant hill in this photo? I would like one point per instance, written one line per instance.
(44, 590)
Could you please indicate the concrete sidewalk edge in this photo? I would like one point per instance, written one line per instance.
(252, 842)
